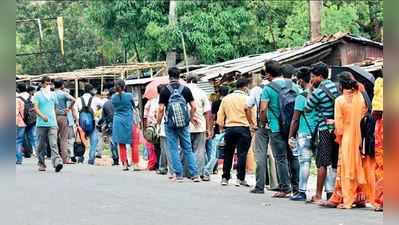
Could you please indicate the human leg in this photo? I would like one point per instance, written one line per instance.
(185, 144)
(63, 137)
(243, 145)
(279, 148)
(199, 149)
(172, 147)
(55, 156)
(261, 144)
(231, 143)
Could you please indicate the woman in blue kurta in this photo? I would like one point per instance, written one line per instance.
(123, 105)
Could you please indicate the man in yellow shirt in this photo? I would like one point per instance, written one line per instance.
(236, 121)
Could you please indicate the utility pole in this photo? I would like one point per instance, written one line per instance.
(315, 18)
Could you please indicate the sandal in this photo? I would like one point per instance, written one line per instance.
(379, 209)
(313, 200)
(328, 204)
(280, 195)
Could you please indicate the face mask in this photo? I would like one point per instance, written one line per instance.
(47, 88)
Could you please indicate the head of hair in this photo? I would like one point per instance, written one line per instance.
(224, 90)
(111, 92)
(89, 88)
(192, 78)
(31, 89)
(320, 69)
(303, 73)
(288, 71)
(174, 73)
(347, 82)
(273, 68)
(58, 83)
(120, 84)
(159, 88)
(242, 83)
(45, 79)
(21, 88)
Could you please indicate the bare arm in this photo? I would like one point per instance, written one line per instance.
(209, 123)
(294, 124)
(193, 109)
(161, 112)
(262, 112)
(248, 114)
(221, 117)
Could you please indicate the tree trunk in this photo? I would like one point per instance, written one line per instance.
(315, 18)
(171, 56)
(374, 23)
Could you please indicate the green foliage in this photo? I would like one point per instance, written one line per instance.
(101, 32)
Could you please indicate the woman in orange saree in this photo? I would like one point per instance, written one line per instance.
(352, 186)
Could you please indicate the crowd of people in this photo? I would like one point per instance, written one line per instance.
(290, 116)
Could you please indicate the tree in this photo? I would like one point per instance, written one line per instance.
(315, 18)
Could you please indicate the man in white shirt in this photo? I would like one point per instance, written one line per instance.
(96, 102)
(203, 131)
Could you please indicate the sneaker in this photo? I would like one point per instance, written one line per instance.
(73, 159)
(224, 182)
(257, 191)
(90, 162)
(42, 168)
(58, 168)
(300, 196)
(178, 179)
(196, 179)
(206, 178)
(241, 183)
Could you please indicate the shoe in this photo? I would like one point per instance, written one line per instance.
(178, 179)
(18, 162)
(224, 182)
(206, 178)
(73, 159)
(98, 156)
(328, 195)
(300, 196)
(90, 162)
(241, 183)
(58, 168)
(42, 168)
(196, 179)
(116, 162)
(162, 172)
(257, 191)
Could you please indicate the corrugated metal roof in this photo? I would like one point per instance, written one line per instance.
(253, 63)
(206, 86)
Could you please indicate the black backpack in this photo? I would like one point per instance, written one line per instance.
(287, 96)
(29, 112)
(367, 126)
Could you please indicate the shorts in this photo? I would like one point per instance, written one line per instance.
(327, 151)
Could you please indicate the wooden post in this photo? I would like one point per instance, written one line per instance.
(102, 83)
(184, 52)
(76, 88)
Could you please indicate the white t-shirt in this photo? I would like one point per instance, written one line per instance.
(203, 106)
(96, 102)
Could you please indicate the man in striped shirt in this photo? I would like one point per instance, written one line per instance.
(322, 100)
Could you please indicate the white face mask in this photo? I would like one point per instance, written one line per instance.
(47, 88)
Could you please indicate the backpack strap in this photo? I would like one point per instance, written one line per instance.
(181, 88)
(328, 92)
(274, 86)
(170, 88)
(90, 100)
(83, 103)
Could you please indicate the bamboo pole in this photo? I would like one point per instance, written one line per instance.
(76, 88)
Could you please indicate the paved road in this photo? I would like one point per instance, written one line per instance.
(88, 195)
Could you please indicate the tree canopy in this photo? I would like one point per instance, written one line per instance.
(108, 32)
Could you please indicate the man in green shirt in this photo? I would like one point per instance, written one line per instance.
(44, 102)
(287, 163)
(302, 128)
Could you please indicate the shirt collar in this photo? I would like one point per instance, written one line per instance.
(240, 92)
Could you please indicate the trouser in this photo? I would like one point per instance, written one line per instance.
(114, 149)
(279, 145)
(93, 136)
(240, 138)
(63, 131)
(71, 140)
(198, 141)
(30, 132)
(305, 151)
(164, 159)
(50, 134)
(211, 155)
(100, 145)
(182, 135)
(261, 146)
(20, 136)
(293, 165)
(152, 156)
(123, 154)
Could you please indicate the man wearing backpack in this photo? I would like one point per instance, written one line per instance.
(26, 122)
(44, 104)
(302, 133)
(277, 107)
(174, 98)
(87, 105)
(322, 100)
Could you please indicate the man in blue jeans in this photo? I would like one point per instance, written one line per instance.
(287, 164)
(96, 103)
(176, 135)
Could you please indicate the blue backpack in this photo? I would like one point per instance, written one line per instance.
(177, 113)
(86, 117)
(287, 96)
